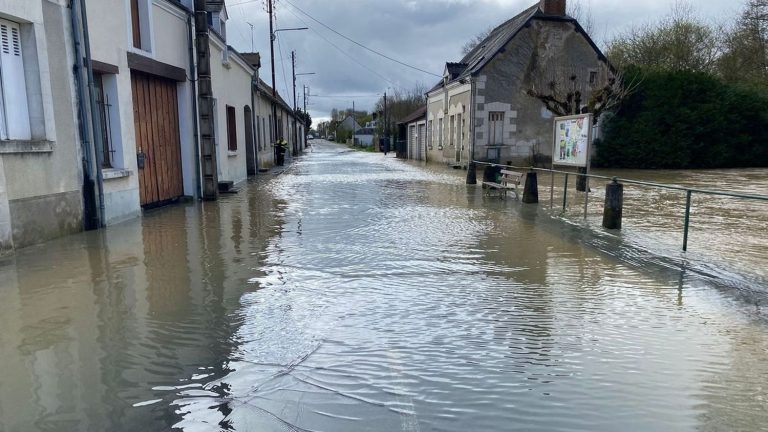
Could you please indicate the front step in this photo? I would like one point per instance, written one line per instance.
(227, 187)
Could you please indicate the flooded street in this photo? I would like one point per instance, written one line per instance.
(356, 292)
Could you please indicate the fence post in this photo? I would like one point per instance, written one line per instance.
(614, 204)
(531, 191)
(565, 192)
(687, 219)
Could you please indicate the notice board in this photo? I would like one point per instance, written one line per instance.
(573, 136)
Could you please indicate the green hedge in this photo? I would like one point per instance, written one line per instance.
(680, 119)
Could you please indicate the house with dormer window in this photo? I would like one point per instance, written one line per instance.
(480, 109)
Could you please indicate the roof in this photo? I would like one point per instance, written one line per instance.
(267, 91)
(419, 114)
(486, 50)
(214, 5)
(455, 69)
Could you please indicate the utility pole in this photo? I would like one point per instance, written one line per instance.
(295, 126)
(354, 124)
(272, 62)
(386, 130)
(305, 98)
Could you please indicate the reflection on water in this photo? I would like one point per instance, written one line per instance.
(357, 292)
(727, 235)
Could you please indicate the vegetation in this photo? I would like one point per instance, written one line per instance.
(686, 119)
(400, 103)
(701, 93)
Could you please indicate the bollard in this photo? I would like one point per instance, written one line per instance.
(581, 181)
(471, 174)
(614, 204)
(531, 190)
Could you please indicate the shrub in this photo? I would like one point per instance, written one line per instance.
(684, 119)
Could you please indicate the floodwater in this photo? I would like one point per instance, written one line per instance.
(356, 292)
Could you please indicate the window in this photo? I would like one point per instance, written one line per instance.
(14, 109)
(496, 128)
(271, 130)
(102, 101)
(140, 24)
(452, 132)
(431, 136)
(592, 78)
(440, 134)
(263, 143)
(460, 132)
(231, 129)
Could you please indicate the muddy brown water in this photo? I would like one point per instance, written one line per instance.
(356, 292)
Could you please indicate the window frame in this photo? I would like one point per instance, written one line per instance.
(231, 115)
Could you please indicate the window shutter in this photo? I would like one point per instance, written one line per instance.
(14, 88)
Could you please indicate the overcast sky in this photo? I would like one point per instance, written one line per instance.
(421, 33)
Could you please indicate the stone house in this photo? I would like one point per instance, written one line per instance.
(481, 105)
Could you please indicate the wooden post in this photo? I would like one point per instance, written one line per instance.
(531, 191)
(614, 204)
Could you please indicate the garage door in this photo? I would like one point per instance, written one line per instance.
(156, 121)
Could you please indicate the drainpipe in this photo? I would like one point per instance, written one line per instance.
(254, 126)
(193, 82)
(472, 168)
(98, 136)
(93, 216)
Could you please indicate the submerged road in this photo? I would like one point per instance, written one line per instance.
(357, 292)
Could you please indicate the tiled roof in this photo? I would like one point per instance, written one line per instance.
(481, 54)
(419, 114)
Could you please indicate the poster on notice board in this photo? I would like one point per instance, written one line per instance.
(573, 135)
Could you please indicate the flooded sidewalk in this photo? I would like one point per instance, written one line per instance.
(357, 292)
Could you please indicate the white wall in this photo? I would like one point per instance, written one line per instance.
(231, 82)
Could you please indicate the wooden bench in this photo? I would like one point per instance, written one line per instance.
(510, 180)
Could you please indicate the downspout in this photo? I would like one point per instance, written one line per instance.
(472, 167)
(92, 216)
(195, 114)
(254, 126)
(98, 144)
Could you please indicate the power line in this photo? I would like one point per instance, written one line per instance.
(282, 65)
(358, 43)
(341, 50)
(346, 96)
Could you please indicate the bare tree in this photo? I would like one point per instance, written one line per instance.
(569, 91)
(582, 12)
(680, 41)
(475, 41)
(745, 54)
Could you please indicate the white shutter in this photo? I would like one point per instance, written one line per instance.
(14, 88)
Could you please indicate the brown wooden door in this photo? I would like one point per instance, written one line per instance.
(156, 121)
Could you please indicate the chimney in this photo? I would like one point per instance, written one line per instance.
(552, 7)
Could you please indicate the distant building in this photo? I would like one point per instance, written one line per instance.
(481, 102)
(364, 137)
(349, 123)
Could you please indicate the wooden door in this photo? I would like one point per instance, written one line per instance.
(156, 122)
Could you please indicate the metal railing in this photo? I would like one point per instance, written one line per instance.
(688, 191)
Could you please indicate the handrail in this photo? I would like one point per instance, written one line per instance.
(688, 191)
(637, 182)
